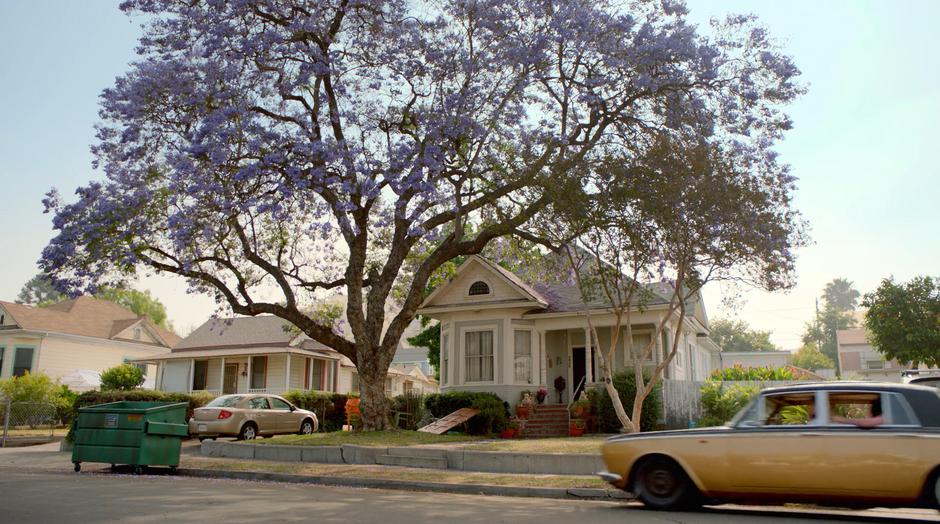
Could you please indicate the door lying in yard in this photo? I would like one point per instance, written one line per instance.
(230, 380)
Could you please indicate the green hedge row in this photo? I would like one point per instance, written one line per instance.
(329, 407)
(493, 416)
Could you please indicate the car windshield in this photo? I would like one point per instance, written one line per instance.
(227, 401)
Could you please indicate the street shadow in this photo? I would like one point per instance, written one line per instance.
(795, 513)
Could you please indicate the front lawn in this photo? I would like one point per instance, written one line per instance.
(566, 445)
(368, 438)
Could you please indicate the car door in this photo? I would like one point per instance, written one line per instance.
(260, 411)
(283, 416)
(780, 452)
(879, 461)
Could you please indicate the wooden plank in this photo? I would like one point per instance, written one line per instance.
(450, 421)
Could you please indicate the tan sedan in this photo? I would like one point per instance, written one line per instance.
(836, 443)
(250, 416)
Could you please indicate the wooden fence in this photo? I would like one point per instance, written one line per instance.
(682, 400)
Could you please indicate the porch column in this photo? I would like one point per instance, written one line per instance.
(588, 357)
(543, 355)
(287, 373)
(248, 379)
(222, 377)
(309, 364)
(192, 373)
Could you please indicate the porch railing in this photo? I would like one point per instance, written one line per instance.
(257, 390)
(214, 392)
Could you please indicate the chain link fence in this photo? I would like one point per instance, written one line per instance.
(27, 421)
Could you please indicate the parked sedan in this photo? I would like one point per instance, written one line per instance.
(838, 443)
(248, 416)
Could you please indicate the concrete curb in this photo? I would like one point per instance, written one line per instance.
(452, 459)
(403, 485)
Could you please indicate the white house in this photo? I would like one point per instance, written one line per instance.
(264, 355)
(858, 359)
(82, 336)
(755, 359)
(498, 334)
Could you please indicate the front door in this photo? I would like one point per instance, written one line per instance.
(230, 380)
(578, 371)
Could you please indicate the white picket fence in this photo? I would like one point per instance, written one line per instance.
(682, 400)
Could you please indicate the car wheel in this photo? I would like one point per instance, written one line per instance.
(249, 432)
(660, 483)
(936, 491)
(306, 427)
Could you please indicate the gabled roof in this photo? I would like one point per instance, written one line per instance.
(852, 337)
(527, 293)
(85, 316)
(243, 331)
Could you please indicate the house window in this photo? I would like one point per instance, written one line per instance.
(141, 367)
(355, 382)
(259, 372)
(479, 288)
(23, 361)
(479, 350)
(444, 360)
(2, 351)
(875, 364)
(136, 333)
(200, 374)
(407, 387)
(523, 356)
(318, 368)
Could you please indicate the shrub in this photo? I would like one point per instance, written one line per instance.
(721, 401)
(91, 398)
(625, 383)
(493, 416)
(739, 372)
(407, 410)
(65, 404)
(329, 407)
(122, 378)
(30, 388)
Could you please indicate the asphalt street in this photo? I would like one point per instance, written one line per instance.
(34, 497)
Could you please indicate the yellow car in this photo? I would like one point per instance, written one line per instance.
(248, 416)
(849, 444)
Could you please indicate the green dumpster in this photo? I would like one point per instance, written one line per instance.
(133, 433)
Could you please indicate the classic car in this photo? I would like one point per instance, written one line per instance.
(848, 444)
(248, 416)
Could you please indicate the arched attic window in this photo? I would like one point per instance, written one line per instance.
(479, 288)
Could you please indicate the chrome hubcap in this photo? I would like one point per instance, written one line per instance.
(249, 433)
(307, 429)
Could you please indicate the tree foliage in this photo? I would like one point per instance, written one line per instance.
(270, 152)
(39, 291)
(840, 294)
(903, 320)
(736, 335)
(122, 378)
(430, 337)
(839, 298)
(31, 387)
(810, 357)
(140, 302)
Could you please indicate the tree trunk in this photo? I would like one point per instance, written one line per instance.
(373, 404)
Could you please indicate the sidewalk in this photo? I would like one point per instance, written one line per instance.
(47, 458)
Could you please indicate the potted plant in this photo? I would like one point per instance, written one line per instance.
(511, 431)
(581, 408)
(560, 386)
(525, 405)
(576, 429)
(540, 395)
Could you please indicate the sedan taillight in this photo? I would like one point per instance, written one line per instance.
(224, 414)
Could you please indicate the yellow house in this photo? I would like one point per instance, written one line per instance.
(81, 335)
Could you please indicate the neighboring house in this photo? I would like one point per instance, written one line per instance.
(755, 359)
(413, 356)
(260, 354)
(858, 359)
(401, 379)
(498, 334)
(82, 334)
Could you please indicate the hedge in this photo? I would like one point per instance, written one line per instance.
(91, 398)
(493, 416)
(722, 401)
(329, 407)
(625, 382)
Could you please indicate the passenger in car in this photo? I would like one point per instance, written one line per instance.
(876, 419)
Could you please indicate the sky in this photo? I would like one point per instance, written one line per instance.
(863, 146)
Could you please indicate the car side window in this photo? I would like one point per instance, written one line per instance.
(899, 411)
(277, 403)
(863, 409)
(789, 409)
(258, 403)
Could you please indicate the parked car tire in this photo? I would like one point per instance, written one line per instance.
(306, 427)
(660, 483)
(248, 432)
(936, 490)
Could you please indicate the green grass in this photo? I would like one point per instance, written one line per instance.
(367, 438)
(567, 445)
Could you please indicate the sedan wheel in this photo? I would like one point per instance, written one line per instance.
(248, 432)
(936, 492)
(661, 484)
(306, 428)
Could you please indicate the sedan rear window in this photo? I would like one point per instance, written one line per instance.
(227, 401)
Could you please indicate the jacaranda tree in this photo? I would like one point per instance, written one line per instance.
(274, 151)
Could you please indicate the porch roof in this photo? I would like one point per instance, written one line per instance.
(240, 352)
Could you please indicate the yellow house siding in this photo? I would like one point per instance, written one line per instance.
(128, 334)
(60, 356)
